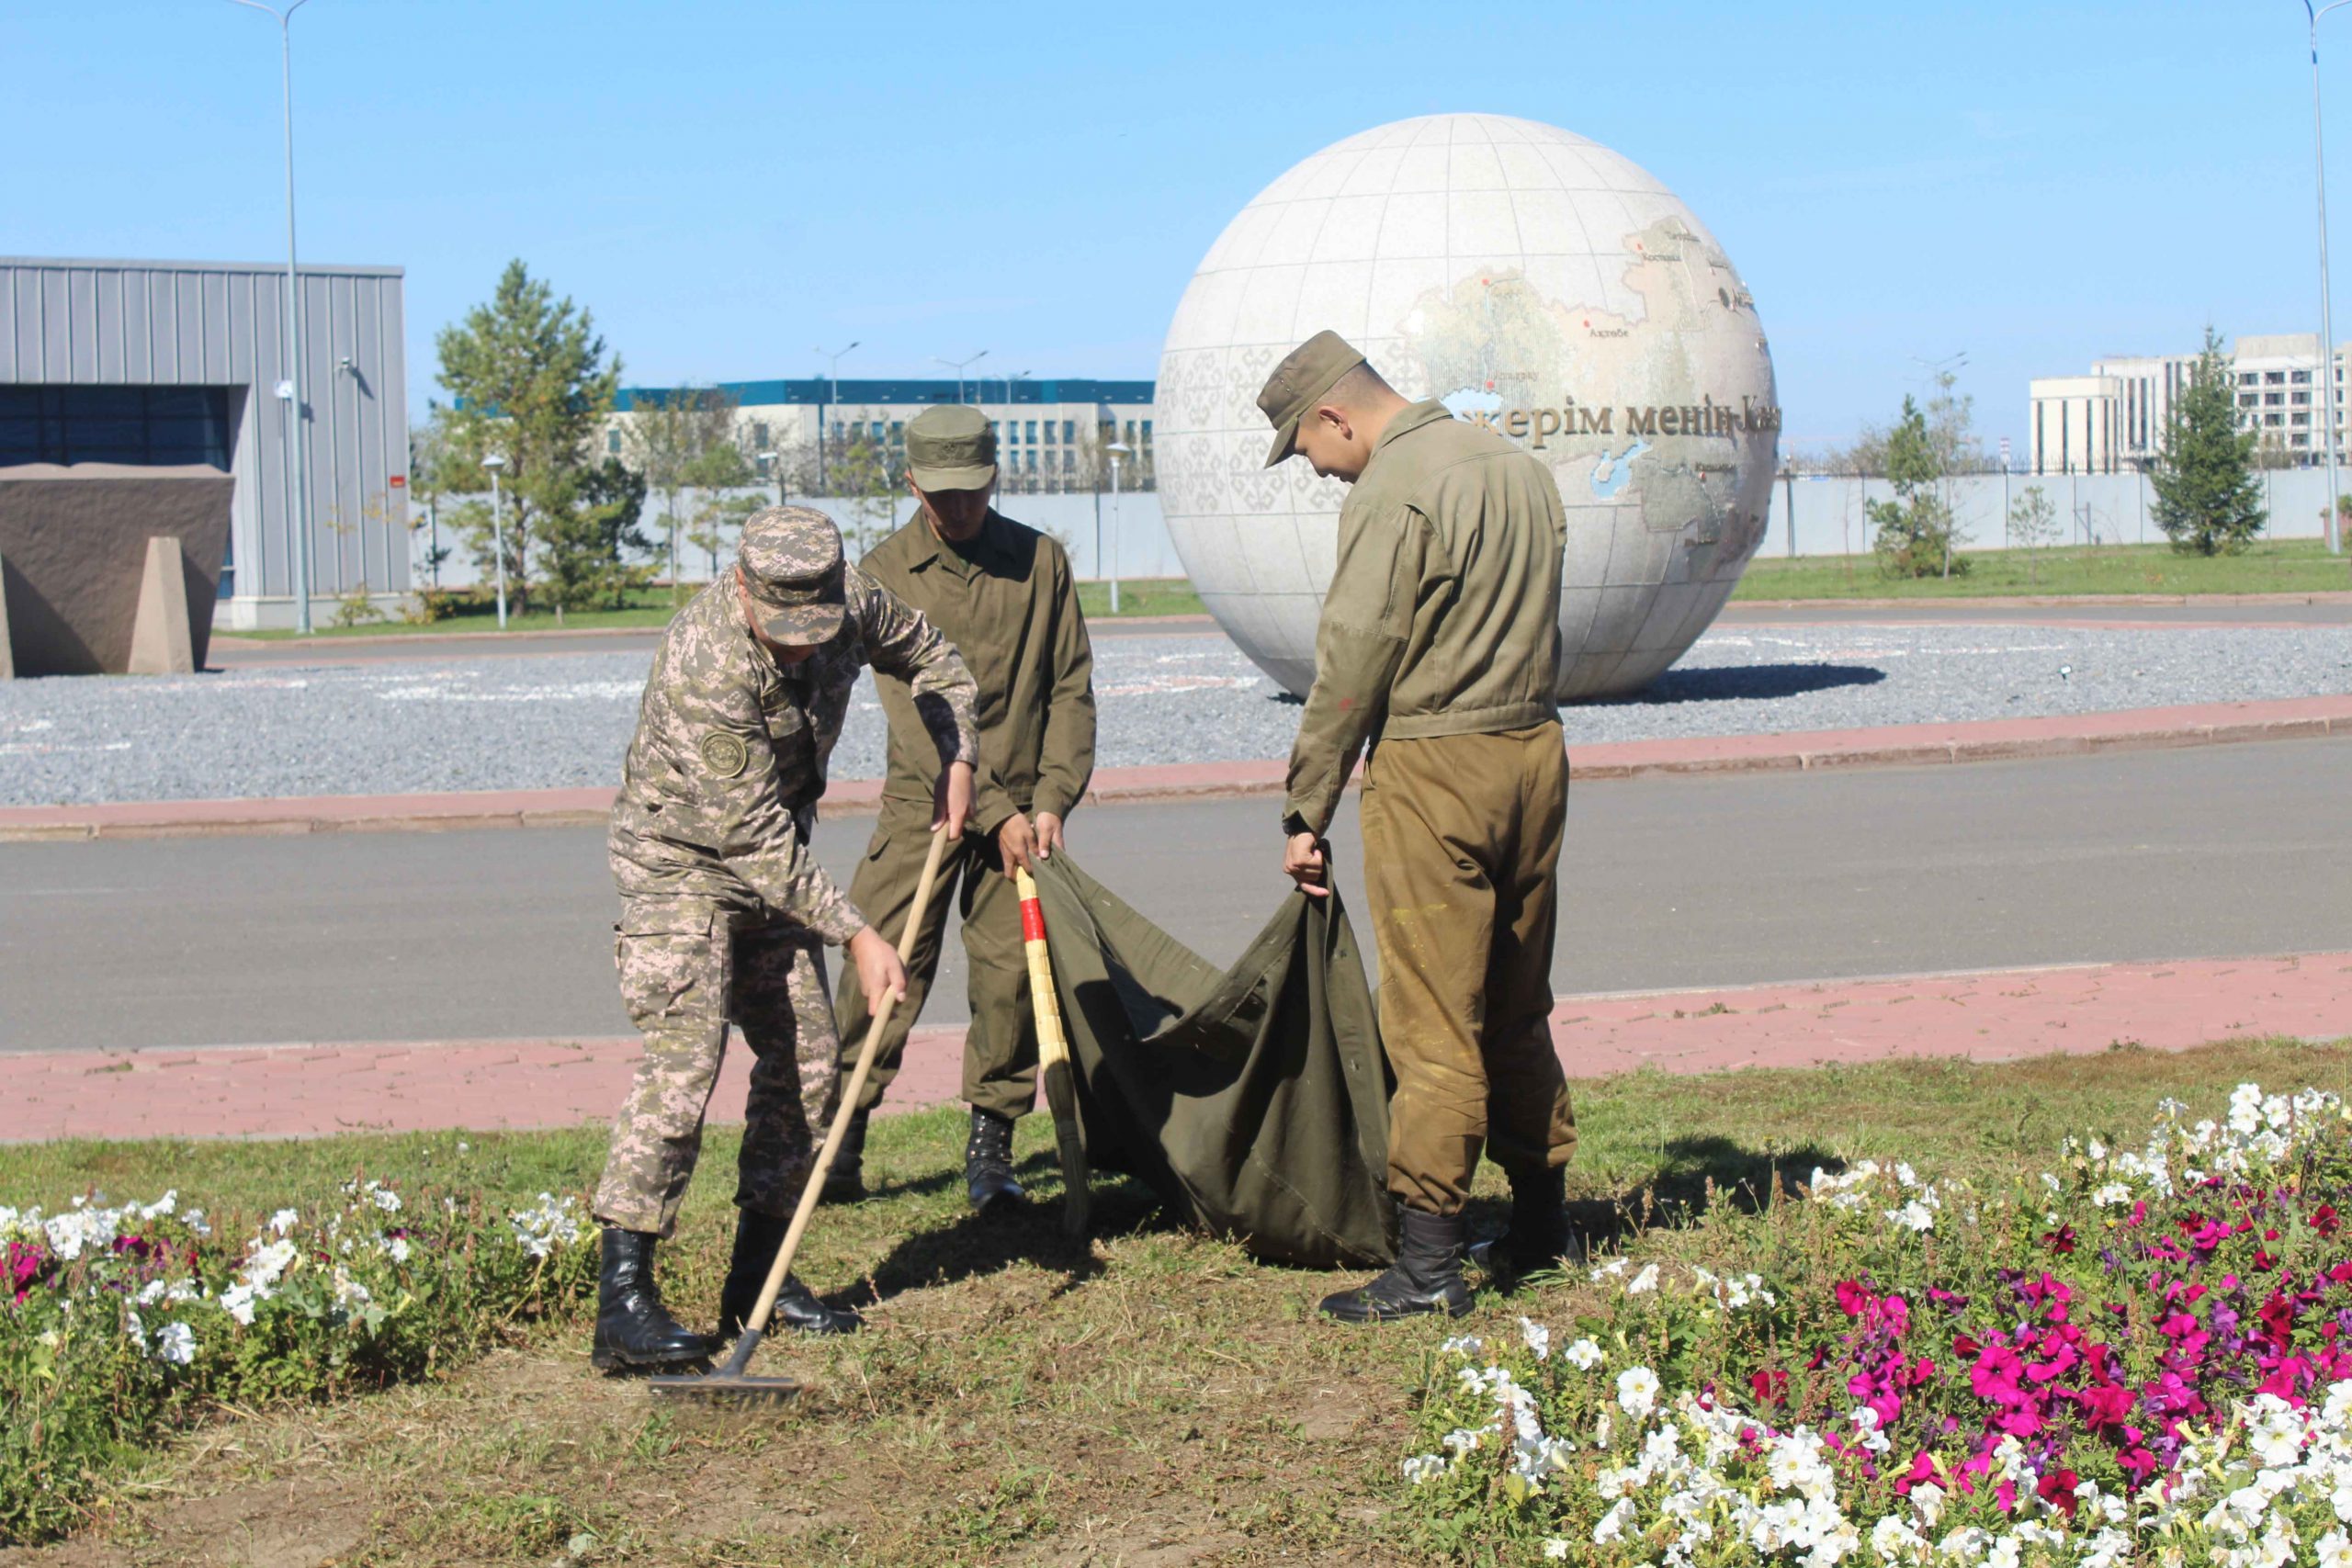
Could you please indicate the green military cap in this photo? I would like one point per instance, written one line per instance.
(1313, 368)
(951, 447)
(791, 562)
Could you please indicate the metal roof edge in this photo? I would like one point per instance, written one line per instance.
(338, 269)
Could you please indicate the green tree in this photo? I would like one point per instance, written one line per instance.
(531, 381)
(681, 439)
(1915, 534)
(861, 473)
(595, 547)
(2208, 502)
(2033, 528)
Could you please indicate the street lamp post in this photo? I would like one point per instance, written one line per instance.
(957, 365)
(298, 525)
(832, 395)
(2326, 325)
(494, 462)
(1117, 449)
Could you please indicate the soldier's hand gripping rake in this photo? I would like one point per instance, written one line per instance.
(1053, 1061)
(730, 1383)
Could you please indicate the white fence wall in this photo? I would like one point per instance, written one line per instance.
(1135, 540)
(1830, 519)
(2107, 509)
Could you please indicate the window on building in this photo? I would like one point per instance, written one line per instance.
(2299, 378)
(146, 425)
(2274, 378)
(1147, 434)
(1069, 432)
(613, 442)
(1033, 431)
(2275, 419)
(759, 435)
(2248, 378)
(2248, 400)
(1131, 433)
(1032, 460)
(2298, 399)
(1049, 433)
(1069, 461)
(2272, 399)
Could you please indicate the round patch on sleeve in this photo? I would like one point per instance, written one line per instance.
(723, 753)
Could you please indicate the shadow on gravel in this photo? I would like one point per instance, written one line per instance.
(1744, 683)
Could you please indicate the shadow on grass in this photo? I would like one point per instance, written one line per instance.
(1698, 1175)
(975, 1244)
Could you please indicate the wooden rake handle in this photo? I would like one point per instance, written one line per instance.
(848, 1107)
(1054, 1060)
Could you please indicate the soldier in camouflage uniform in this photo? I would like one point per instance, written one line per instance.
(725, 911)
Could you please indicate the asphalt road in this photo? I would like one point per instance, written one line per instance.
(2194, 612)
(2213, 852)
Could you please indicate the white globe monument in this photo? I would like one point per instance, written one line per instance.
(1534, 280)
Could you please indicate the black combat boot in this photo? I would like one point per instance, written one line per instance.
(988, 1162)
(1538, 1240)
(845, 1183)
(633, 1328)
(1426, 1278)
(797, 1307)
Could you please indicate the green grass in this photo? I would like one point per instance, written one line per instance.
(476, 615)
(1147, 1395)
(2292, 565)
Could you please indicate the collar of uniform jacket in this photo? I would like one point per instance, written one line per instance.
(965, 561)
(1409, 420)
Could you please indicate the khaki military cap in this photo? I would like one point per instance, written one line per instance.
(1311, 370)
(791, 560)
(951, 447)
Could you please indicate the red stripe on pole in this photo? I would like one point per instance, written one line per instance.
(1033, 922)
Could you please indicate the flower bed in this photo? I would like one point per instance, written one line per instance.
(2139, 1356)
(117, 1322)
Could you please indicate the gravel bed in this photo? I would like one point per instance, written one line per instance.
(541, 722)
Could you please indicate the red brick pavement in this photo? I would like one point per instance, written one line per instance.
(303, 1090)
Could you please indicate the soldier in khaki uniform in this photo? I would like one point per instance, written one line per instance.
(1439, 648)
(725, 911)
(1003, 593)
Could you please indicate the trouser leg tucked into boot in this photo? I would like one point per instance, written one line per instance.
(1425, 1279)
(633, 1328)
(1538, 1240)
(988, 1162)
(845, 1183)
(797, 1307)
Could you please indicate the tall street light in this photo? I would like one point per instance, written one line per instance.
(1117, 449)
(832, 395)
(498, 533)
(298, 493)
(957, 365)
(2326, 325)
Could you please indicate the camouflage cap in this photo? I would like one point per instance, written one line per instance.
(951, 447)
(791, 560)
(1306, 374)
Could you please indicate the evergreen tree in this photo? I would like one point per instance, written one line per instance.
(682, 439)
(1915, 530)
(594, 549)
(531, 381)
(2208, 502)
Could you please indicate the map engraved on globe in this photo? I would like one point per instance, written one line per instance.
(1537, 283)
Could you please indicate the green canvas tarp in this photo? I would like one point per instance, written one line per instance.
(1253, 1100)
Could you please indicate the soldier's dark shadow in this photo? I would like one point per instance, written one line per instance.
(1700, 1174)
(975, 1245)
(1745, 684)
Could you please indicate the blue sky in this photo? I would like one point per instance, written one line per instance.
(727, 185)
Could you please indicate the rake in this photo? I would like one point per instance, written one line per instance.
(732, 1384)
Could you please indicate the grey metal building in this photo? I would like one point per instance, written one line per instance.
(177, 363)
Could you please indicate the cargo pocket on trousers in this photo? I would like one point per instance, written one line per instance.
(666, 956)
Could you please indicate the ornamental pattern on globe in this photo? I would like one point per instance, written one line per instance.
(1534, 281)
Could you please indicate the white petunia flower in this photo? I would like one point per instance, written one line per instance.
(2334, 1550)
(1423, 1467)
(1584, 1355)
(175, 1344)
(284, 1220)
(1538, 1337)
(1613, 1523)
(1637, 1390)
(238, 1299)
(1555, 1548)
(1643, 1282)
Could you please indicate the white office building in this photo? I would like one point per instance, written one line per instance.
(2112, 421)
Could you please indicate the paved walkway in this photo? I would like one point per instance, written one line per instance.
(300, 1091)
(2058, 735)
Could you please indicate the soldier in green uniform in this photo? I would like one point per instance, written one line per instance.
(725, 911)
(1003, 593)
(1439, 648)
